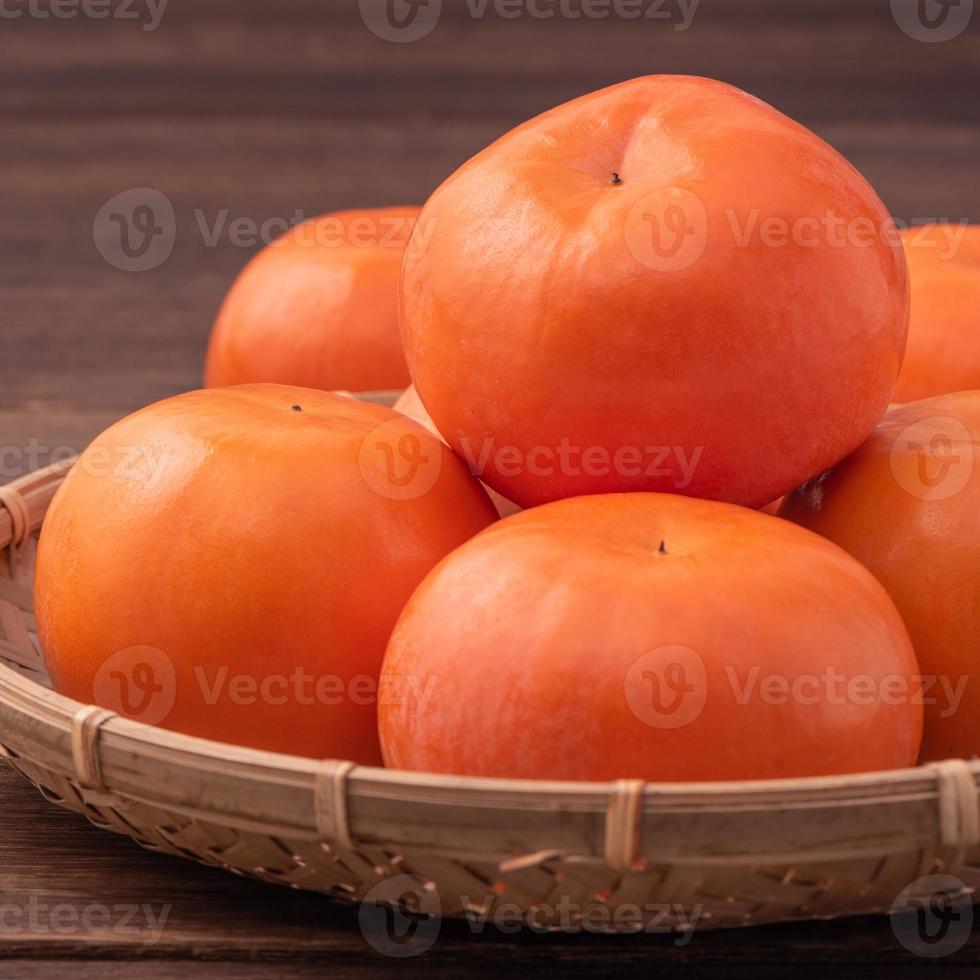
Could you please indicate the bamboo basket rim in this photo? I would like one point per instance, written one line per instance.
(128, 734)
(338, 794)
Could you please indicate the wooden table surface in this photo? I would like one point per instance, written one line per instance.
(258, 110)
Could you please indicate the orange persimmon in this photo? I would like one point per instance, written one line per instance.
(230, 562)
(665, 285)
(944, 343)
(648, 636)
(318, 307)
(907, 505)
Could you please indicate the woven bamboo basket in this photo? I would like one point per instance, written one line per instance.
(732, 854)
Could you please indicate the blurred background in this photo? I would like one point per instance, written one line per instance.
(149, 148)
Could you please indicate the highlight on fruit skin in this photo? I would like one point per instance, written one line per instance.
(318, 307)
(229, 563)
(907, 506)
(564, 319)
(943, 353)
(654, 637)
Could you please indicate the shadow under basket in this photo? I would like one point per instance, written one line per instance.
(733, 854)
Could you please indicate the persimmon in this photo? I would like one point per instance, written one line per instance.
(664, 285)
(944, 343)
(409, 403)
(907, 505)
(773, 507)
(650, 636)
(229, 563)
(318, 307)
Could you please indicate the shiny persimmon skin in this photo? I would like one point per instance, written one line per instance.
(230, 530)
(526, 641)
(318, 307)
(533, 315)
(943, 352)
(409, 403)
(898, 506)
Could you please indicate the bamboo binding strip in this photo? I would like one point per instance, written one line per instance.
(740, 852)
(85, 726)
(19, 518)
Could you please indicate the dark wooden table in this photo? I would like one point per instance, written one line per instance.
(259, 110)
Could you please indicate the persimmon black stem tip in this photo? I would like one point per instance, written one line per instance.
(297, 408)
(662, 550)
(616, 179)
